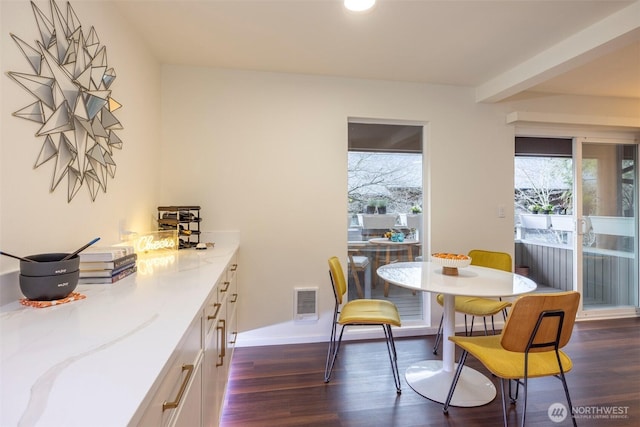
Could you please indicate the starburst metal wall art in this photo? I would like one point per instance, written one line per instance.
(74, 108)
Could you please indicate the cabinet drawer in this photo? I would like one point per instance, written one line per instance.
(232, 268)
(227, 288)
(213, 306)
(189, 411)
(224, 289)
(181, 372)
(214, 369)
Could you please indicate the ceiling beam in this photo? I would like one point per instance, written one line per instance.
(605, 36)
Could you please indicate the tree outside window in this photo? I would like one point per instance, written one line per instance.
(394, 179)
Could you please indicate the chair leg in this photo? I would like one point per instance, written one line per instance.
(524, 406)
(393, 356)
(511, 396)
(493, 326)
(566, 392)
(504, 403)
(332, 353)
(566, 389)
(438, 336)
(456, 377)
(504, 312)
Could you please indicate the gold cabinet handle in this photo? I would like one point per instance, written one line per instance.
(217, 306)
(171, 405)
(222, 327)
(235, 298)
(226, 287)
(234, 267)
(235, 337)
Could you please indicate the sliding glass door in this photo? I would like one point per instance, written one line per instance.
(607, 242)
(576, 204)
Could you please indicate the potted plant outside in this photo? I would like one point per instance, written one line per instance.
(371, 207)
(382, 207)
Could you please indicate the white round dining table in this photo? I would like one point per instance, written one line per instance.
(432, 378)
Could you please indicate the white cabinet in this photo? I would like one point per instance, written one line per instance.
(231, 295)
(188, 414)
(220, 336)
(192, 389)
(179, 393)
(214, 353)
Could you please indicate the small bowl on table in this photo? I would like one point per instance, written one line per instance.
(451, 262)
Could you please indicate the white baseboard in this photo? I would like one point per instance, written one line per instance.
(350, 334)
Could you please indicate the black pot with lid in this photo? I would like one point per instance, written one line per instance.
(49, 277)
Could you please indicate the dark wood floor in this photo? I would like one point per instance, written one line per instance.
(283, 385)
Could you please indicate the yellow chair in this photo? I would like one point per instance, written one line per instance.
(538, 326)
(359, 312)
(476, 306)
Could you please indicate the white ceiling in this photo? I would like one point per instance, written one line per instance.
(501, 47)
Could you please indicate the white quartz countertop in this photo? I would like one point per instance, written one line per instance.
(93, 362)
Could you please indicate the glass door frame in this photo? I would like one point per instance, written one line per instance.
(425, 321)
(582, 231)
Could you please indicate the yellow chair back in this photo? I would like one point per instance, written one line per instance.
(338, 280)
(524, 316)
(497, 260)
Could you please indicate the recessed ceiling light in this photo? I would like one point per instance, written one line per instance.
(359, 5)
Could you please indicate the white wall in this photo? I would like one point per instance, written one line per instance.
(32, 219)
(266, 154)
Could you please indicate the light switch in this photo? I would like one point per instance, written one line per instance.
(500, 211)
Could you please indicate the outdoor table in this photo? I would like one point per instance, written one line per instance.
(391, 246)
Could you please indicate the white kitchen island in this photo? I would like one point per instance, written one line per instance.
(102, 361)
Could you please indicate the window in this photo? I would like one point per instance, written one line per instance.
(543, 186)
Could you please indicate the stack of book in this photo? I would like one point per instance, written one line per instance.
(107, 265)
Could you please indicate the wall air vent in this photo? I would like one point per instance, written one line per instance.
(306, 304)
